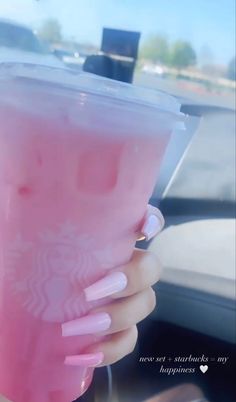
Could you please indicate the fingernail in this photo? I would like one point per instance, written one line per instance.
(152, 226)
(90, 324)
(112, 283)
(87, 360)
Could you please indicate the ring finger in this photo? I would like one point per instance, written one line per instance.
(111, 318)
(108, 351)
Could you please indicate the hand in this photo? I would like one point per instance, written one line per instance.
(133, 299)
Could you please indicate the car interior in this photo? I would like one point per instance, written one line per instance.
(193, 327)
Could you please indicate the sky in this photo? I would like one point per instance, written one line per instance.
(207, 24)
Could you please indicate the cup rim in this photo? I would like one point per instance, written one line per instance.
(91, 84)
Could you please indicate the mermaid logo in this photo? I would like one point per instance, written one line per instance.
(48, 276)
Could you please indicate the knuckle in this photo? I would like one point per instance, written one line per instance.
(145, 271)
(133, 339)
(127, 319)
(149, 261)
(117, 352)
(151, 300)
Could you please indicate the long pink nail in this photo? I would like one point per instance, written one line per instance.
(86, 360)
(90, 324)
(152, 226)
(110, 284)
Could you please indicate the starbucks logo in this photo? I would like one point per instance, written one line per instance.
(47, 277)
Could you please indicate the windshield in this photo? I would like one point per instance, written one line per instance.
(187, 51)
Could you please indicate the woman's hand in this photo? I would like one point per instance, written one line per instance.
(133, 300)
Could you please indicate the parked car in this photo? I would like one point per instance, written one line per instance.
(153, 69)
(18, 43)
(69, 58)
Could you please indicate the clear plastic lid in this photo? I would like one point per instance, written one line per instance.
(95, 85)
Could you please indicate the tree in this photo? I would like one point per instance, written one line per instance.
(231, 72)
(156, 49)
(205, 56)
(50, 31)
(182, 55)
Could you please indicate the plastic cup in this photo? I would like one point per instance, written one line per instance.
(79, 157)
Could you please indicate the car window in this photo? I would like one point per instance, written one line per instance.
(208, 169)
(186, 51)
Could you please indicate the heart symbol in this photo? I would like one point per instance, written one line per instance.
(203, 368)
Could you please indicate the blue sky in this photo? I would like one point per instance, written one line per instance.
(206, 23)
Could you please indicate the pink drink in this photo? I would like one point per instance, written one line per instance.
(77, 168)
